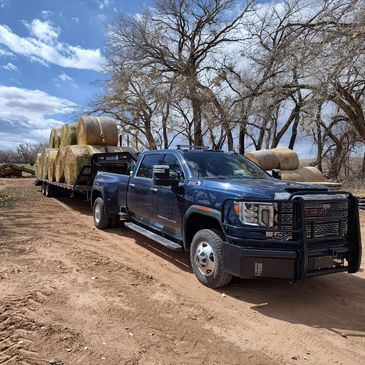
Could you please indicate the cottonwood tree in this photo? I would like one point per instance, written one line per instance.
(178, 37)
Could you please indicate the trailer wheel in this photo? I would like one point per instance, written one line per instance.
(47, 190)
(206, 256)
(101, 218)
(42, 188)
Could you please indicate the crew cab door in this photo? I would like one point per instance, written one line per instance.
(141, 195)
(169, 203)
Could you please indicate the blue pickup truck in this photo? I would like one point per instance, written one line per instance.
(231, 216)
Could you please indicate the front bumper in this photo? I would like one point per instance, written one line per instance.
(251, 262)
(294, 260)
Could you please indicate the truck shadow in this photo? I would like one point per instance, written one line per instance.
(335, 302)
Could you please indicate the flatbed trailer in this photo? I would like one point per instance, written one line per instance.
(117, 162)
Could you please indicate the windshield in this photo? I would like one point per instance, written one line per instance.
(220, 165)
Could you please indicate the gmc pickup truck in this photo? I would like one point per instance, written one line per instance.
(231, 216)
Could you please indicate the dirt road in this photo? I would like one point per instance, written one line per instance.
(70, 294)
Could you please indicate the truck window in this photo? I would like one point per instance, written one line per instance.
(175, 166)
(218, 165)
(146, 166)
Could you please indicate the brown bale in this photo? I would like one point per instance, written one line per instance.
(38, 167)
(55, 138)
(50, 162)
(68, 135)
(99, 131)
(59, 165)
(288, 159)
(303, 174)
(43, 173)
(76, 157)
(266, 159)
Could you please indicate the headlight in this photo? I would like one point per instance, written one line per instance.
(256, 214)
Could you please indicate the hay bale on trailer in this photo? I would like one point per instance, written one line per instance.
(55, 138)
(303, 174)
(59, 165)
(38, 165)
(98, 131)
(266, 159)
(76, 157)
(288, 159)
(68, 135)
(50, 163)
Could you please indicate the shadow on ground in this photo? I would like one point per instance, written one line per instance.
(335, 302)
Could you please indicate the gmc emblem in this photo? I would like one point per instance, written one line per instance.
(319, 212)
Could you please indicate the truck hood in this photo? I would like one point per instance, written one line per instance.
(256, 188)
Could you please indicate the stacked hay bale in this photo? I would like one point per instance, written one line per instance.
(287, 161)
(72, 146)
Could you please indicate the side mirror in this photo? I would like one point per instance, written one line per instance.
(161, 176)
(276, 174)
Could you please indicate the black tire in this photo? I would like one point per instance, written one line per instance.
(48, 190)
(101, 218)
(42, 188)
(217, 278)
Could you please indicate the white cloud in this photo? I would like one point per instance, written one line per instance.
(45, 47)
(3, 3)
(63, 77)
(10, 67)
(76, 19)
(28, 115)
(103, 3)
(4, 53)
(44, 31)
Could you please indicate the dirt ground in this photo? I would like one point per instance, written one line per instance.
(70, 294)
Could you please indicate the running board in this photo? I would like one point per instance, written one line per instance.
(153, 236)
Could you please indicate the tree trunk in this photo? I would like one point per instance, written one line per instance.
(294, 131)
(241, 138)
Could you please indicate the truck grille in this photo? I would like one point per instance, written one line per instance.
(326, 219)
(322, 219)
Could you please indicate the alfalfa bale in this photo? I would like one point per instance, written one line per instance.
(38, 167)
(55, 138)
(288, 159)
(68, 135)
(59, 165)
(266, 159)
(76, 157)
(303, 174)
(99, 131)
(50, 162)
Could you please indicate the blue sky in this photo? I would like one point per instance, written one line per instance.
(51, 54)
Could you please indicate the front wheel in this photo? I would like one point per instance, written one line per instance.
(101, 218)
(206, 256)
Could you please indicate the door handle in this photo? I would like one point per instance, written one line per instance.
(154, 190)
(132, 185)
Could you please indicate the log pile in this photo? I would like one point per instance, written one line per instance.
(72, 146)
(12, 170)
(287, 161)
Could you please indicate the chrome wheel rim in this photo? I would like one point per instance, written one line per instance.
(205, 259)
(97, 213)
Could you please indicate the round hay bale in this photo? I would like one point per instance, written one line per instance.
(55, 138)
(304, 174)
(68, 135)
(43, 173)
(38, 167)
(76, 157)
(97, 131)
(288, 159)
(50, 162)
(59, 165)
(266, 159)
